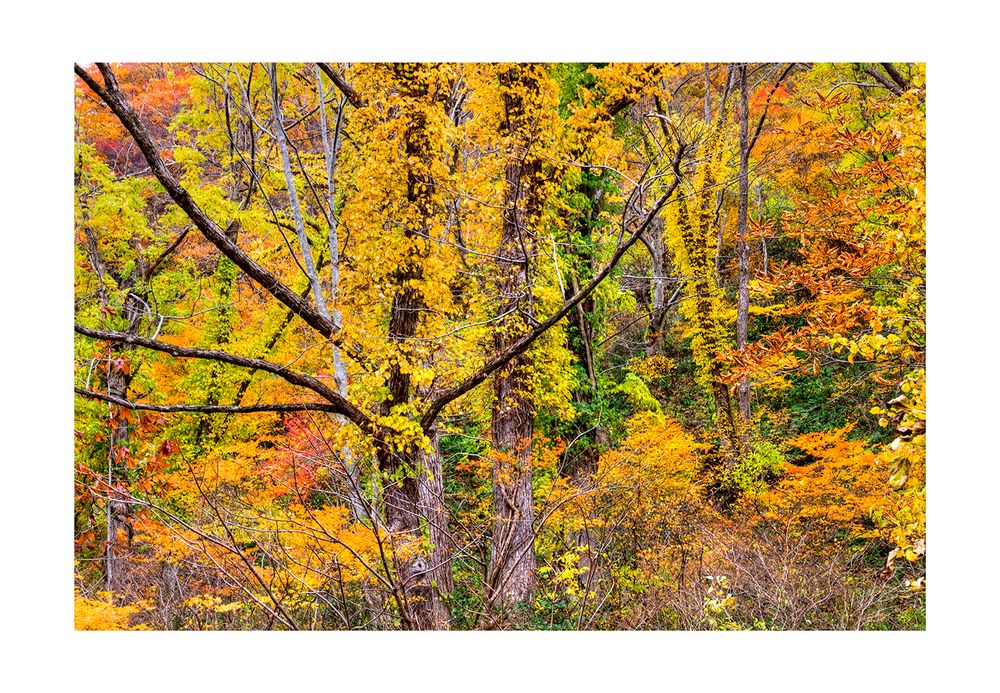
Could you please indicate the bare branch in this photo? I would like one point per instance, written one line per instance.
(206, 408)
(896, 77)
(163, 256)
(884, 81)
(346, 89)
(337, 403)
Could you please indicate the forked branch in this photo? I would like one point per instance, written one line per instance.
(346, 89)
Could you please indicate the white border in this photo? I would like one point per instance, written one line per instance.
(42, 41)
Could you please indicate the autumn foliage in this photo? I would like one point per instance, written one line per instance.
(391, 346)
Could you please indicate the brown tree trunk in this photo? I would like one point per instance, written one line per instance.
(511, 573)
(402, 495)
(432, 507)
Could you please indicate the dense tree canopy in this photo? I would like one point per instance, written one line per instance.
(490, 346)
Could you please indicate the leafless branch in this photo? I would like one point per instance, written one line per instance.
(337, 403)
(205, 408)
(346, 89)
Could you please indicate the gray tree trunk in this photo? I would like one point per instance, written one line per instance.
(743, 255)
(330, 152)
(293, 200)
(433, 509)
(659, 302)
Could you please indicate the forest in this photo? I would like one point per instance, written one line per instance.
(484, 346)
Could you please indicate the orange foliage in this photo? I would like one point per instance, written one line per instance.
(841, 486)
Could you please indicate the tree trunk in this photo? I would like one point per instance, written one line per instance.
(293, 200)
(743, 256)
(708, 94)
(119, 510)
(511, 573)
(401, 508)
(658, 281)
(432, 507)
(401, 470)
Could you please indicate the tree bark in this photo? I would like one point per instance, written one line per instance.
(432, 507)
(511, 571)
(743, 255)
(400, 470)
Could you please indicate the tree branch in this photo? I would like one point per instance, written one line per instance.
(163, 256)
(524, 342)
(346, 89)
(896, 77)
(884, 81)
(206, 408)
(767, 105)
(336, 404)
(112, 95)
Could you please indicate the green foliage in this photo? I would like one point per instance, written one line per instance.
(637, 393)
(751, 473)
(571, 78)
(818, 402)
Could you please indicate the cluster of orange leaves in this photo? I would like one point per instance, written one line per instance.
(842, 484)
